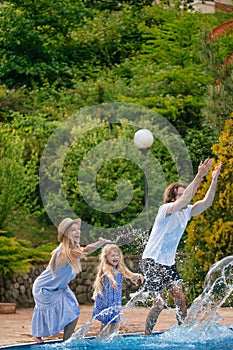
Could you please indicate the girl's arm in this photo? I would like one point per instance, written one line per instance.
(90, 248)
(134, 277)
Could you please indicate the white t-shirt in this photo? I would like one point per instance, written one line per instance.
(166, 234)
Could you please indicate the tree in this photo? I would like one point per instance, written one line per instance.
(210, 234)
(35, 40)
(219, 101)
(18, 177)
(115, 5)
(167, 75)
(219, 31)
(57, 42)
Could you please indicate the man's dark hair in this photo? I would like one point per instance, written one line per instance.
(171, 191)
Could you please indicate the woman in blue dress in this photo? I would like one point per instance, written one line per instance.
(108, 288)
(56, 306)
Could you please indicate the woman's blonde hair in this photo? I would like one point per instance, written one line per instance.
(72, 254)
(105, 266)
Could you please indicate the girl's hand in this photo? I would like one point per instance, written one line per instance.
(140, 277)
(114, 284)
(111, 278)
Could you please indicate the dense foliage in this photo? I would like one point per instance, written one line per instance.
(210, 234)
(61, 57)
(18, 255)
(18, 178)
(219, 99)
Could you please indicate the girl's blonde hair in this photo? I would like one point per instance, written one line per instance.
(72, 254)
(105, 266)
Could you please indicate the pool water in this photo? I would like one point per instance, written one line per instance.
(182, 338)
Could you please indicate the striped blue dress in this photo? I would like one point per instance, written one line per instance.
(107, 306)
(55, 303)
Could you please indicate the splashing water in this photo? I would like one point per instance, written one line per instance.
(201, 319)
(218, 286)
(200, 324)
(129, 234)
(139, 296)
(200, 331)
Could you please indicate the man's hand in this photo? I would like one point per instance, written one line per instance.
(204, 167)
(216, 171)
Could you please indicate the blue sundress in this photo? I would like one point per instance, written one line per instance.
(55, 303)
(107, 306)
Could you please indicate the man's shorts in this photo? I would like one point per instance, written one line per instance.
(158, 277)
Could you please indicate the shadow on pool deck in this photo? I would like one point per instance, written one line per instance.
(15, 328)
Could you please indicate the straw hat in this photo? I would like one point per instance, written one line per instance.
(63, 226)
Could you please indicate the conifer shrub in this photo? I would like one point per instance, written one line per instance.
(210, 233)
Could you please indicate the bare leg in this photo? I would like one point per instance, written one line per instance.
(38, 339)
(104, 329)
(102, 326)
(176, 291)
(108, 329)
(114, 327)
(157, 307)
(69, 329)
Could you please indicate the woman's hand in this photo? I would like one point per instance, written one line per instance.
(104, 241)
(90, 248)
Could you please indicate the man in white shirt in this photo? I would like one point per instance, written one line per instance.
(158, 259)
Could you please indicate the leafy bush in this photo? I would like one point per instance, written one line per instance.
(18, 255)
(18, 177)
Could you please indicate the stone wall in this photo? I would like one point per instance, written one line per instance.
(18, 288)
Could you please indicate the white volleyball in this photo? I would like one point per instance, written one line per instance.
(143, 138)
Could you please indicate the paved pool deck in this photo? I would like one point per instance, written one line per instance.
(15, 328)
